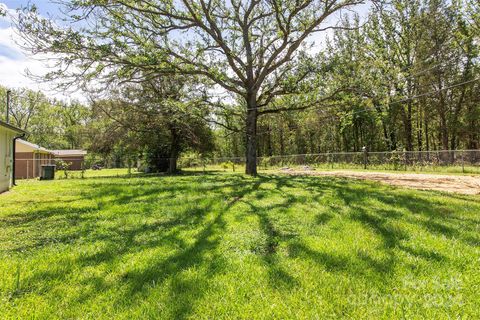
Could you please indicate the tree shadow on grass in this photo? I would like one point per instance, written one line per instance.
(324, 218)
(391, 236)
(44, 227)
(184, 292)
(189, 239)
(115, 193)
(276, 234)
(113, 242)
(436, 218)
(433, 216)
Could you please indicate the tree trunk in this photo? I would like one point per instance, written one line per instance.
(455, 122)
(174, 151)
(408, 128)
(172, 165)
(427, 140)
(269, 141)
(444, 132)
(236, 152)
(282, 142)
(420, 129)
(386, 137)
(251, 136)
(472, 136)
(442, 112)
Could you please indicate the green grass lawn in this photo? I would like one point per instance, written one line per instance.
(230, 246)
(89, 173)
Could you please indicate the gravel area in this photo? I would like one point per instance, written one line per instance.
(463, 184)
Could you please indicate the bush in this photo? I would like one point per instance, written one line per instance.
(228, 165)
(63, 165)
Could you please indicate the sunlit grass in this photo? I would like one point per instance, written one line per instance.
(77, 174)
(230, 246)
(449, 170)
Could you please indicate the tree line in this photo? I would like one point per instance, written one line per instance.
(243, 78)
(50, 123)
(130, 127)
(411, 74)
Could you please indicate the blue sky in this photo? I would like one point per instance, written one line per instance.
(44, 6)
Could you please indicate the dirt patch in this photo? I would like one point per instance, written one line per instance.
(450, 183)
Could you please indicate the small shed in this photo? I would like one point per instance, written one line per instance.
(75, 158)
(8, 134)
(29, 159)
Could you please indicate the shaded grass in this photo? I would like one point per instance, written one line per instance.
(230, 246)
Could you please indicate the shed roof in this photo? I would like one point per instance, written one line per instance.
(69, 152)
(28, 146)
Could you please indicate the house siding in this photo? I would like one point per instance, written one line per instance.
(6, 158)
(28, 164)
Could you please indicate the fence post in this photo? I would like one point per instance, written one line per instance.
(463, 162)
(365, 157)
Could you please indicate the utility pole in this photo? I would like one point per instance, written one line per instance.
(7, 116)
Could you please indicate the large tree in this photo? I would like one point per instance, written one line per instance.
(158, 120)
(413, 70)
(247, 48)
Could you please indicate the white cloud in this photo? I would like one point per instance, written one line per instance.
(16, 64)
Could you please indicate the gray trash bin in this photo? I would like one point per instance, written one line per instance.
(48, 172)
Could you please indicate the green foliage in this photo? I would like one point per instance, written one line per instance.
(405, 75)
(51, 124)
(228, 165)
(391, 69)
(150, 122)
(64, 166)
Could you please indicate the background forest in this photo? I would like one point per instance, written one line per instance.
(411, 81)
(405, 77)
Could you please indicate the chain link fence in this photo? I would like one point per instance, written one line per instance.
(461, 161)
(448, 161)
(31, 168)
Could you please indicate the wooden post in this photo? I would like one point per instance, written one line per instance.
(365, 157)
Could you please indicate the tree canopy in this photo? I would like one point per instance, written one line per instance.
(251, 49)
(244, 78)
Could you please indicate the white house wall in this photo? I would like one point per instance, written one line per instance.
(6, 158)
